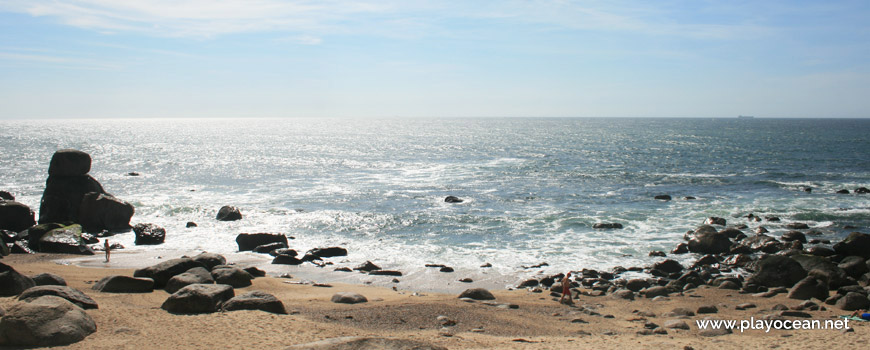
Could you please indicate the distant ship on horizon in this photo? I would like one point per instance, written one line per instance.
(745, 116)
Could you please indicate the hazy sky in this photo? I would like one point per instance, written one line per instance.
(273, 58)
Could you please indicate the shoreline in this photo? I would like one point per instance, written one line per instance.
(130, 321)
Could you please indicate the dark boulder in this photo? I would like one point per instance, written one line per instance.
(63, 195)
(67, 240)
(6, 196)
(255, 300)
(681, 248)
(102, 211)
(124, 284)
(48, 279)
(663, 197)
(809, 287)
(198, 299)
(856, 243)
(45, 321)
(854, 266)
(367, 266)
(249, 241)
(190, 224)
(835, 275)
(862, 190)
(228, 213)
(348, 298)
(668, 266)
(777, 271)
(477, 294)
(843, 191)
(794, 236)
(655, 291)
(853, 301)
(69, 162)
(162, 272)
(286, 260)
(283, 251)
(715, 221)
(386, 273)
(74, 296)
(705, 240)
(637, 284)
(149, 234)
(13, 283)
(796, 226)
(453, 199)
(232, 276)
(269, 247)
(210, 260)
(15, 216)
(612, 225)
(327, 252)
(820, 251)
(196, 275)
(33, 234)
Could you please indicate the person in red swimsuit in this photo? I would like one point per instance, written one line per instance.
(566, 291)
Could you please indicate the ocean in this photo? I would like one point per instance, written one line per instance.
(532, 187)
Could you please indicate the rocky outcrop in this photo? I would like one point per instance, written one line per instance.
(777, 271)
(74, 296)
(232, 276)
(67, 240)
(327, 252)
(249, 241)
(13, 283)
(162, 272)
(706, 240)
(808, 288)
(45, 321)
(255, 300)
(856, 243)
(348, 298)
(198, 299)
(477, 294)
(124, 284)
(210, 260)
(607, 225)
(196, 275)
(229, 213)
(48, 279)
(149, 234)
(15, 216)
(73, 195)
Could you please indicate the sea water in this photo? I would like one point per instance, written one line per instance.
(532, 187)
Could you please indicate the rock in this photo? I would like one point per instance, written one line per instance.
(853, 301)
(33, 234)
(249, 241)
(45, 321)
(707, 309)
(13, 283)
(809, 287)
(162, 272)
(368, 266)
(233, 276)
(856, 243)
(191, 224)
(680, 312)
(657, 253)
(668, 266)
(48, 279)
(613, 225)
(63, 195)
(794, 236)
(655, 291)
(124, 284)
(228, 213)
(624, 294)
(284, 251)
(663, 197)
(366, 343)
(715, 332)
(149, 234)
(796, 226)
(69, 162)
(210, 260)
(348, 298)
(730, 285)
(862, 190)
(843, 191)
(254, 271)
(198, 299)
(255, 300)
(820, 251)
(196, 275)
(15, 216)
(102, 211)
(446, 269)
(636, 284)
(715, 221)
(836, 276)
(707, 241)
(529, 283)
(385, 273)
(453, 199)
(269, 247)
(745, 306)
(681, 248)
(67, 240)
(676, 324)
(6, 196)
(477, 294)
(327, 252)
(75, 296)
(854, 266)
(777, 271)
(286, 260)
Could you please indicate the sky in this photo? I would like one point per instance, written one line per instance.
(415, 58)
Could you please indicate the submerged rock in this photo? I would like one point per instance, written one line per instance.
(453, 199)
(229, 213)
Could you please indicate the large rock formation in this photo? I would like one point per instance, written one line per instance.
(15, 216)
(13, 283)
(198, 299)
(45, 321)
(73, 195)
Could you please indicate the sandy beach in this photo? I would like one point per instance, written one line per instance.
(136, 321)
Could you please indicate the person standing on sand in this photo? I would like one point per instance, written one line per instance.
(566, 291)
(107, 248)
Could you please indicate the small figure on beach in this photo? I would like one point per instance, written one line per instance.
(566, 291)
(862, 314)
(107, 248)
